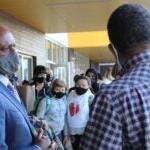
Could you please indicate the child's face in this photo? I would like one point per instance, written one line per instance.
(59, 89)
(42, 75)
(82, 83)
(41, 78)
(91, 75)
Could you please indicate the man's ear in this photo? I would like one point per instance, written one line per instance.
(114, 52)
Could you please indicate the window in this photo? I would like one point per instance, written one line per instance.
(104, 67)
(57, 54)
(58, 59)
(26, 67)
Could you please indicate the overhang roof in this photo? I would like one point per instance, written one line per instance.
(72, 16)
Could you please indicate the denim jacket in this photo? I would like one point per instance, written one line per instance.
(56, 114)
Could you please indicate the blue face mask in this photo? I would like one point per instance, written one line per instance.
(9, 64)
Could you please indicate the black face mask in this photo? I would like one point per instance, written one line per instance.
(49, 78)
(59, 94)
(39, 79)
(93, 81)
(80, 90)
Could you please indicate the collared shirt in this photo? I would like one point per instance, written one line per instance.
(4, 80)
(120, 116)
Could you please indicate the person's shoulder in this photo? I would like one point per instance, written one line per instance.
(89, 92)
(112, 88)
(71, 89)
(122, 86)
(72, 93)
(118, 87)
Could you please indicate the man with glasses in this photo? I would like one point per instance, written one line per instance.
(15, 128)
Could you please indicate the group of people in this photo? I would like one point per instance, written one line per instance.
(118, 118)
(65, 112)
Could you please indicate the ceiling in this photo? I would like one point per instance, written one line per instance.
(72, 16)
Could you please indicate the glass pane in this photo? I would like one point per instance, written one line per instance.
(61, 73)
(19, 73)
(27, 68)
(50, 48)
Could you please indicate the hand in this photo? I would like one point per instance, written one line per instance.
(44, 125)
(42, 141)
(66, 139)
(39, 86)
(53, 146)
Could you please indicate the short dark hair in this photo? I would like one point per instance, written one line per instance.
(128, 26)
(83, 77)
(39, 70)
(93, 71)
(75, 77)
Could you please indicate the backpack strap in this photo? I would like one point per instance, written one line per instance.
(65, 100)
(48, 104)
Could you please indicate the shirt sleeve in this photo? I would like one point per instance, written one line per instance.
(3, 144)
(90, 99)
(103, 128)
(66, 121)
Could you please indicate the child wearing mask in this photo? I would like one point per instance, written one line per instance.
(39, 82)
(79, 101)
(54, 109)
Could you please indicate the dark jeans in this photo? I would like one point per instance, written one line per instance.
(61, 136)
(75, 141)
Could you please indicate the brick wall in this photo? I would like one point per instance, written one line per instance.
(28, 40)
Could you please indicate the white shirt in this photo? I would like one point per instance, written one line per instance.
(5, 81)
(78, 111)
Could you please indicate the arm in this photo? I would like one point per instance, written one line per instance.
(3, 145)
(66, 127)
(66, 121)
(66, 132)
(90, 100)
(103, 128)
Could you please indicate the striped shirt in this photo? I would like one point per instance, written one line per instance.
(120, 116)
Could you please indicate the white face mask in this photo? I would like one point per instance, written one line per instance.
(9, 64)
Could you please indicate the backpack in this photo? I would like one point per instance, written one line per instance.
(50, 132)
(36, 105)
(48, 104)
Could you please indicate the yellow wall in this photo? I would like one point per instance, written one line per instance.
(91, 44)
(88, 39)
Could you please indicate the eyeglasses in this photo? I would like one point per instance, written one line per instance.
(7, 49)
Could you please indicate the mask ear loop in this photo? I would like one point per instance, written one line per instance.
(117, 58)
(114, 52)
